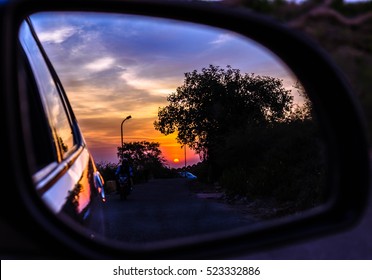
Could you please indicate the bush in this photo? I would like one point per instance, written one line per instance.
(284, 162)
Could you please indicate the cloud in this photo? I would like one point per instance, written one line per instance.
(221, 39)
(100, 64)
(57, 36)
(158, 85)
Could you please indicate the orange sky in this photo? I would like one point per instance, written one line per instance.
(104, 145)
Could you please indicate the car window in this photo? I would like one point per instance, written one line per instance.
(58, 118)
(35, 123)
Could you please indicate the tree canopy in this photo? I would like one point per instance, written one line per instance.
(217, 102)
(142, 154)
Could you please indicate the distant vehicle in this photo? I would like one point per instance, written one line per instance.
(187, 175)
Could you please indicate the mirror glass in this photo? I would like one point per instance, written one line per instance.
(218, 132)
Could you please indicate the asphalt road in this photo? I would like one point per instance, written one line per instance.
(166, 209)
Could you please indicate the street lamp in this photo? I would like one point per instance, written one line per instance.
(185, 157)
(184, 149)
(122, 141)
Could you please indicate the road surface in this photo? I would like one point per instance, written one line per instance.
(165, 209)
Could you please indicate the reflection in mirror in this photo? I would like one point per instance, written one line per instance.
(219, 133)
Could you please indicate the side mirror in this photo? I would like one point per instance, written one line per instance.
(338, 117)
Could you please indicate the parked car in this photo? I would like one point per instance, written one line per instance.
(54, 186)
(187, 175)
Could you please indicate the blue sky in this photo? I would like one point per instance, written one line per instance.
(117, 65)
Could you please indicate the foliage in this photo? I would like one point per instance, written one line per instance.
(107, 170)
(280, 9)
(213, 103)
(285, 161)
(254, 141)
(288, 10)
(145, 157)
(201, 170)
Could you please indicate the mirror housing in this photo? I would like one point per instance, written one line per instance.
(340, 119)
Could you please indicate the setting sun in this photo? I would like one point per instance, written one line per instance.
(176, 160)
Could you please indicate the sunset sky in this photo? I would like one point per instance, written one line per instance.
(113, 66)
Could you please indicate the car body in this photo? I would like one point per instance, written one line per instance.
(187, 175)
(45, 149)
(64, 172)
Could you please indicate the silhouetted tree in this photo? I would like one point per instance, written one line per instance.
(107, 170)
(145, 157)
(253, 139)
(216, 102)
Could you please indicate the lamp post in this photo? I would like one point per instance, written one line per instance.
(184, 149)
(122, 141)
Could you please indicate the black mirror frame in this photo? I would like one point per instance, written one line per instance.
(339, 113)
